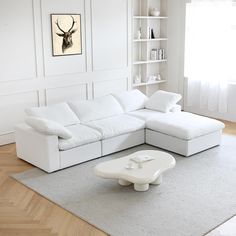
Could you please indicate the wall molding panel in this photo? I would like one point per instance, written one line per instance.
(12, 109)
(104, 87)
(115, 20)
(31, 76)
(17, 36)
(66, 93)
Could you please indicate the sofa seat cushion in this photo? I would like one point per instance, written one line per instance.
(147, 114)
(184, 125)
(81, 135)
(96, 109)
(117, 125)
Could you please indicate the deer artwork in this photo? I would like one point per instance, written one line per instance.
(67, 36)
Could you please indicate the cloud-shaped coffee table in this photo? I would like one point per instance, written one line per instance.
(139, 172)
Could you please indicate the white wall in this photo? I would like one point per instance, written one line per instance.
(31, 76)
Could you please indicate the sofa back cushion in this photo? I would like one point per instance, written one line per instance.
(162, 101)
(131, 100)
(96, 109)
(60, 113)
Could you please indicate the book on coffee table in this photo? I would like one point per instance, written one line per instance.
(141, 159)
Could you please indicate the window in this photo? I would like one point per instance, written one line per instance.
(210, 49)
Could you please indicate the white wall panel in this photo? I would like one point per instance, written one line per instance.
(109, 34)
(103, 88)
(7, 138)
(12, 108)
(68, 93)
(62, 65)
(27, 64)
(17, 41)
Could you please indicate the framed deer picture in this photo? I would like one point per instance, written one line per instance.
(66, 34)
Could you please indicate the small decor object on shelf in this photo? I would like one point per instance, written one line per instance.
(154, 12)
(66, 34)
(139, 34)
(152, 34)
(137, 79)
(149, 32)
(161, 54)
(158, 77)
(153, 54)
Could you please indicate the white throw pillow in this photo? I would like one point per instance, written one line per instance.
(176, 108)
(162, 101)
(96, 109)
(48, 127)
(60, 113)
(131, 100)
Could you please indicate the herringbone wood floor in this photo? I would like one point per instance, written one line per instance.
(26, 213)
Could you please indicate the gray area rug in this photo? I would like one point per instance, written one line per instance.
(195, 196)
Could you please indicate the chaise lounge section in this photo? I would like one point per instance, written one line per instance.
(84, 130)
(184, 133)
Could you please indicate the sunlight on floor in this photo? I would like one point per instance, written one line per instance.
(226, 229)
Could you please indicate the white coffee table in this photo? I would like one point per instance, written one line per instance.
(150, 172)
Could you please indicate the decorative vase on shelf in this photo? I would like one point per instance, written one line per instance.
(139, 34)
(158, 77)
(154, 12)
(137, 79)
(152, 34)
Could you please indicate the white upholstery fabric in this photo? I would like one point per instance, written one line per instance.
(162, 101)
(124, 141)
(181, 146)
(80, 154)
(81, 135)
(60, 113)
(96, 109)
(38, 149)
(176, 108)
(131, 100)
(117, 125)
(147, 114)
(184, 125)
(48, 127)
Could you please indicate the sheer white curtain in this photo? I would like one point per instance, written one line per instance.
(210, 52)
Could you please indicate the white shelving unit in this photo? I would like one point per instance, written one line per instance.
(150, 40)
(148, 62)
(149, 83)
(143, 67)
(150, 17)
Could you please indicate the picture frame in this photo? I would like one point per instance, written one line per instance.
(66, 34)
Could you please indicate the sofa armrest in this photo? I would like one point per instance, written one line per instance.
(36, 148)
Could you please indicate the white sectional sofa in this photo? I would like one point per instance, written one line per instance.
(78, 131)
